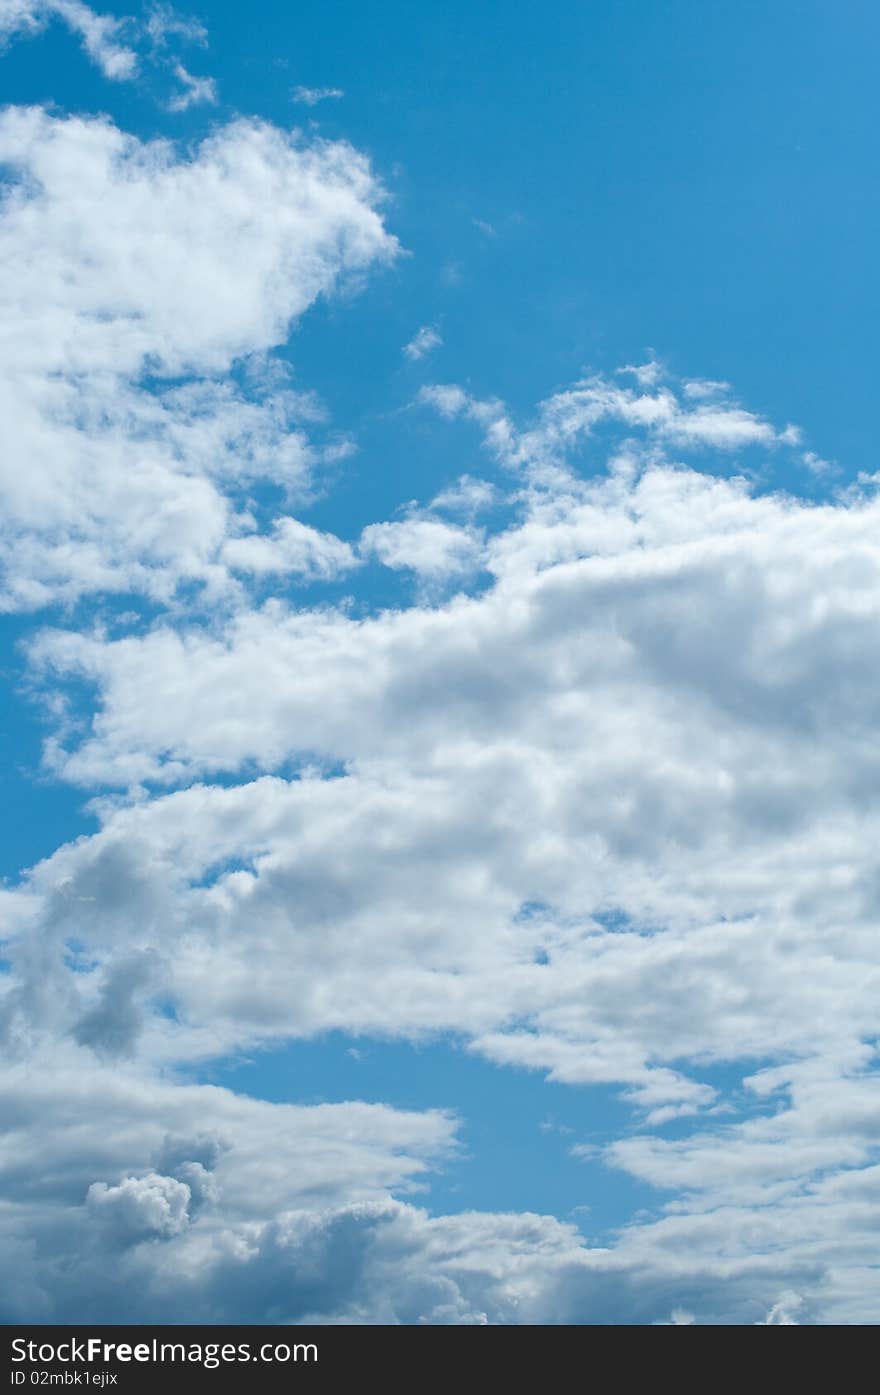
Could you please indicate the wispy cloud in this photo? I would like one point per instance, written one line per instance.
(164, 23)
(311, 96)
(195, 90)
(485, 228)
(102, 36)
(120, 47)
(423, 342)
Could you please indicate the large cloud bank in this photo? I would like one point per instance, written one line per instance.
(599, 799)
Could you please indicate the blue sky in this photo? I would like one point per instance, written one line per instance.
(439, 610)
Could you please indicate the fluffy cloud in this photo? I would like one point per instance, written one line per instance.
(275, 224)
(434, 549)
(130, 1195)
(132, 265)
(290, 547)
(112, 1135)
(610, 818)
(127, 1193)
(141, 1206)
(276, 1213)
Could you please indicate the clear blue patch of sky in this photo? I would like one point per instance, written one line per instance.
(517, 1127)
(687, 176)
(38, 811)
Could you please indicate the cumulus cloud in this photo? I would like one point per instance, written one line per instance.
(131, 478)
(129, 304)
(290, 547)
(141, 1206)
(608, 818)
(434, 549)
(161, 1199)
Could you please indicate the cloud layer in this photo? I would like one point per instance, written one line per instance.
(597, 797)
(609, 816)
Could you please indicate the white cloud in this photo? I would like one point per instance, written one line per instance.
(121, 48)
(127, 1195)
(467, 495)
(570, 417)
(647, 375)
(680, 1317)
(310, 219)
(423, 343)
(610, 819)
(780, 1315)
(99, 34)
(194, 90)
(428, 546)
(705, 387)
(114, 1135)
(291, 547)
(446, 398)
(164, 23)
(131, 482)
(141, 1206)
(817, 465)
(112, 43)
(311, 96)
